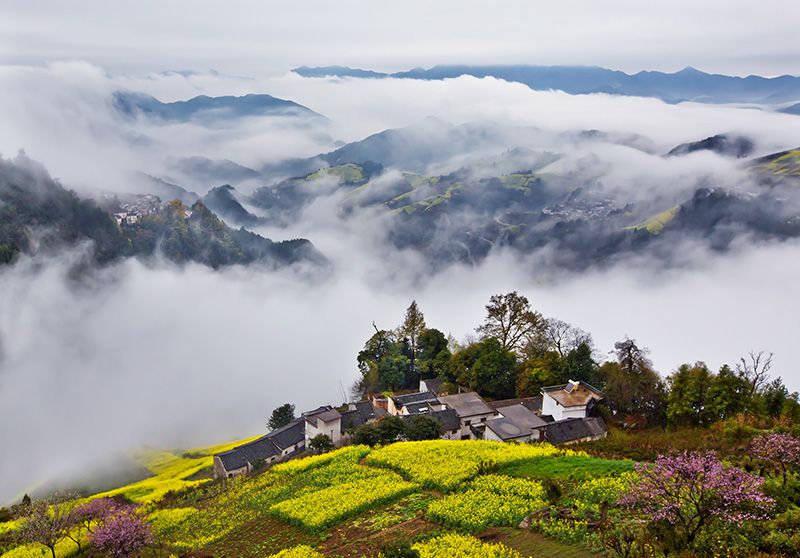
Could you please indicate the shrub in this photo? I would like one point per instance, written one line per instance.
(565, 530)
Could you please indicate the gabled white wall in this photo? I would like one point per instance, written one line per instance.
(551, 407)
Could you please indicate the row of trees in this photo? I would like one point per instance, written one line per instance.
(518, 351)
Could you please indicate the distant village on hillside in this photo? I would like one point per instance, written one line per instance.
(562, 414)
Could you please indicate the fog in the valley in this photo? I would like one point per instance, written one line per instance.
(149, 354)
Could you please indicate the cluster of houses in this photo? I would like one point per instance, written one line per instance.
(134, 207)
(563, 414)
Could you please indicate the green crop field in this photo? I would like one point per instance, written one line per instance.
(568, 468)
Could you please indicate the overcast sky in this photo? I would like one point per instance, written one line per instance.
(260, 38)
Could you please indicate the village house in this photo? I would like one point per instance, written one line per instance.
(272, 447)
(413, 403)
(360, 413)
(323, 420)
(571, 400)
(516, 423)
(472, 413)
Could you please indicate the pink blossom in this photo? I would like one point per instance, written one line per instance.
(689, 491)
(122, 534)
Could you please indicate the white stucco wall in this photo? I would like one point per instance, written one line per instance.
(551, 407)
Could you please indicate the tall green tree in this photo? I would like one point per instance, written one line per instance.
(510, 320)
(688, 399)
(632, 387)
(728, 395)
(580, 365)
(545, 369)
(281, 416)
(411, 329)
(393, 371)
(433, 354)
(422, 427)
(486, 367)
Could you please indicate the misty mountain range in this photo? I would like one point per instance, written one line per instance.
(208, 108)
(519, 199)
(688, 84)
(39, 215)
(519, 188)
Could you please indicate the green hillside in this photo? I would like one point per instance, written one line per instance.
(656, 223)
(786, 163)
(351, 502)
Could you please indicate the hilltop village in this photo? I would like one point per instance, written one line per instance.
(562, 414)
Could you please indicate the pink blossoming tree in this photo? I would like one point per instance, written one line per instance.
(122, 534)
(682, 496)
(95, 511)
(781, 451)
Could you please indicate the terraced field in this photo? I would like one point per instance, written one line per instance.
(440, 496)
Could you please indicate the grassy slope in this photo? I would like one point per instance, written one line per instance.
(568, 469)
(656, 223)
(784, 164)
(233, 518)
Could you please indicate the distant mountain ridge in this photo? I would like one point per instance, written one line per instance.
(131, 103)
(688, 84)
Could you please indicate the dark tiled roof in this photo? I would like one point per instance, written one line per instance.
(418, 408)
(448, 419)
(531, 403)
(317, 411)
(259, 450)
(368, 411)
(569, 430)
(596, 425)
(434, 385)
(364, 412)
(289, 435)
(467, 404)
(547, 418)
(232, 460)
(351, 420)
(264, 447)
(507, 429)
(402, 400)
(522, 416)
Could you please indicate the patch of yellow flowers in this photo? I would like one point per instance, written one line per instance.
(317, 510)
(589, 495)
(349, 453)
(492, 500)
(446, 464)
(453, 545)
(301, 551)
